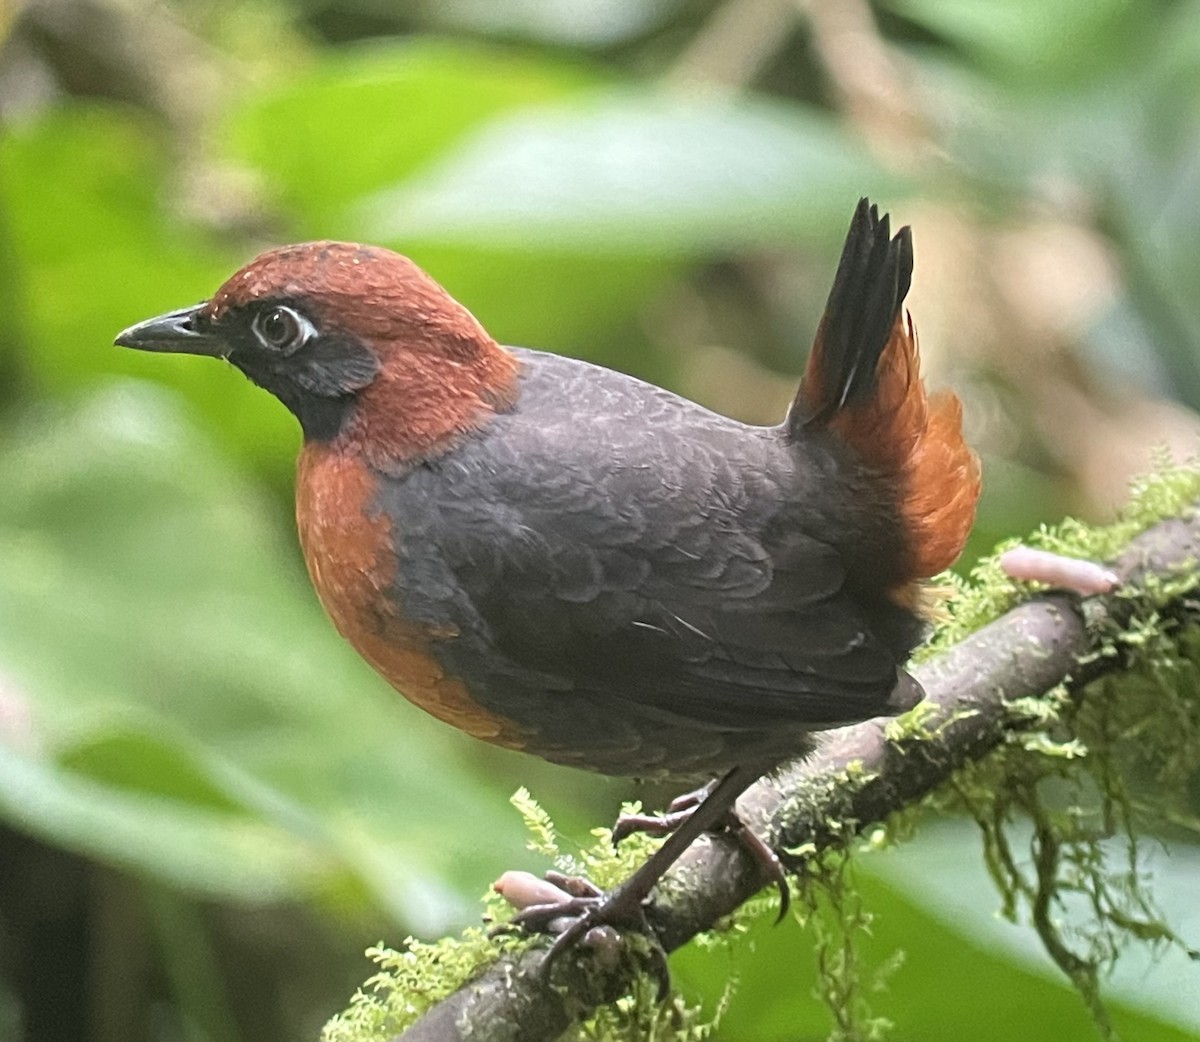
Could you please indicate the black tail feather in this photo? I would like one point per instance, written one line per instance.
(872, 280)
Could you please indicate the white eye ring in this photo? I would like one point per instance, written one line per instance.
(282, 329)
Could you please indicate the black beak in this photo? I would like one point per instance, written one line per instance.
(176, 331)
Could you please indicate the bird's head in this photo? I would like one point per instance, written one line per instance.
(357, 341)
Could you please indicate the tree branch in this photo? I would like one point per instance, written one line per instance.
(1025, 653)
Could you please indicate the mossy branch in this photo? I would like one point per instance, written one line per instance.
(984, 691)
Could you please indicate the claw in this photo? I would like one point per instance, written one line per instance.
(539, 918)
(767, 860)
(576, 886)
(594, 928)
(652, 824)
(575, 911)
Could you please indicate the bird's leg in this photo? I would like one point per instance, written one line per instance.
(623, 907)
(679, 811)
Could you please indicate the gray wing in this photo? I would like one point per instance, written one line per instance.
(614, 542)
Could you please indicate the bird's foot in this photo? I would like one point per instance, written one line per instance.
(544, 904)
(575, 912)
(682, 808)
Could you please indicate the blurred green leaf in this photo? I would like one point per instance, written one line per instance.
(954, 983)
(139, 762)
(1034, 45)
(567, 303)
(1110, 124)
(638, 173)
(195, 685)
(584, 23)
(80, 201)
(1153, 175)
(557, 224)
(188, 846)
(957, 892)
(366, 117)
(370, 118)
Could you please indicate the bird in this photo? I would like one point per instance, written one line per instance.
(559, 558)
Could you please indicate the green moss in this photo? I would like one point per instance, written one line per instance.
(1069, 779)
(987, 593)
(415, 977)
(831, 911)
(641, 1016)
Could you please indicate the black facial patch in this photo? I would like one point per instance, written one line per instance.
(334, 364)
(316, 381)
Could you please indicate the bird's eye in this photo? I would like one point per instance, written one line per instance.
(282, 329)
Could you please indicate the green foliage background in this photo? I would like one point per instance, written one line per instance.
(210, 806)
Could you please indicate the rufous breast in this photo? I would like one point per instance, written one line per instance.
(349, 548)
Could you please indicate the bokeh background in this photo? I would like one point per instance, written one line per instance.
(209, 805)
